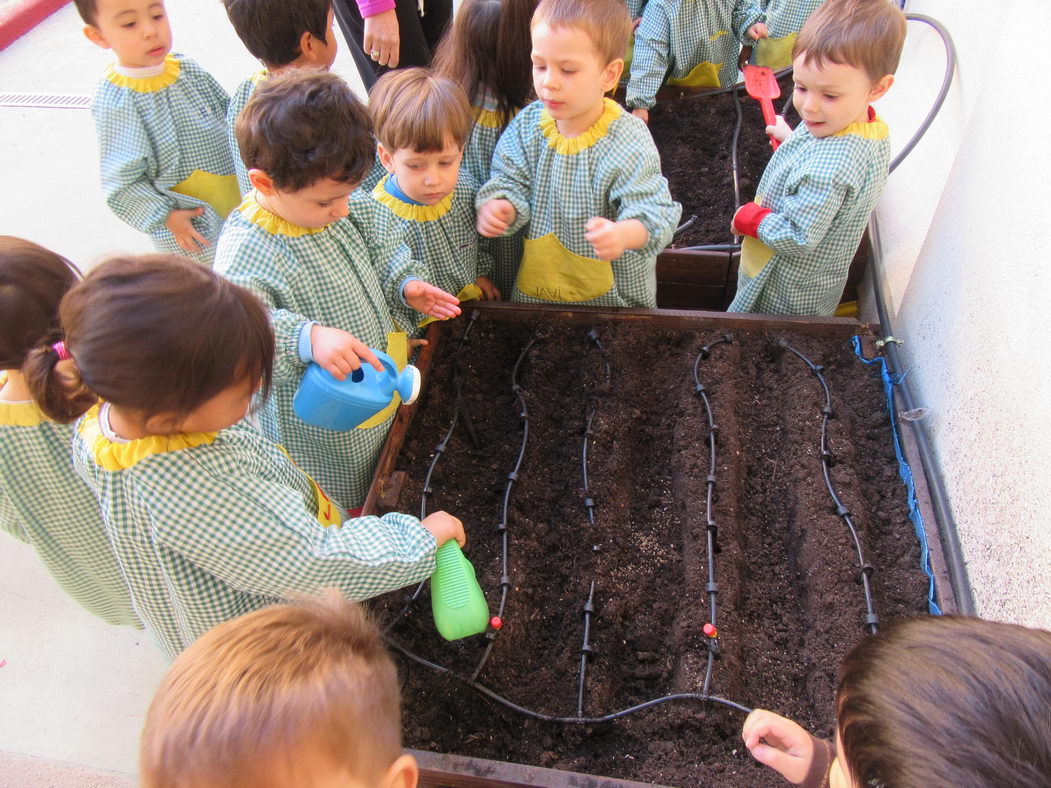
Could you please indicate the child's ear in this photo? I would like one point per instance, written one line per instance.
(386, 157)
(611, 74)
(403, 773)
(308, 48)
(94, 35)
(881, 87)
(261, 182)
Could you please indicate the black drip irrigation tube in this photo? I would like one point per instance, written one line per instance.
(585, 649)
(589, 502)
(711, 527)
(865, 569)
(501, 527)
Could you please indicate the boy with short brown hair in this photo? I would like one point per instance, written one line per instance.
(821, 185)
(289, 695)
(578, 171)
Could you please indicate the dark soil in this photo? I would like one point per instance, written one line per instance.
(789, 606)
(694, 135)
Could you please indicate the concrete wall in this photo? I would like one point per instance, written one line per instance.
(967, 257)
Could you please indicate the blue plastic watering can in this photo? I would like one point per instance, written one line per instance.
(332, 404)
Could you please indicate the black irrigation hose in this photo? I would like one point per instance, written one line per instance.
(711, 248)
(501, 528)
(536, 715)
(685, 226)
(585, 650)
(439, 450)
(865, 569)
(711, 528)
(733, 155)
(589, 502)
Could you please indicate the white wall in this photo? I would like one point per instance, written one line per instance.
(968, 260)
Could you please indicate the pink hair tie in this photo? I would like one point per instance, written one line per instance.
(60, 349)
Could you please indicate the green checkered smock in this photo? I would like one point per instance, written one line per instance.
(237, 103)
(443, 237)
(784, 20)
(209, 526)
(821, 193)
(557, 184)
(688, 42)
(154, 133)
(332, 276)
(45, 504)
(635, 8)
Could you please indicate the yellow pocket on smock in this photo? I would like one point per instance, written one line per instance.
(397, 349)
(703, 75)
(219, 191)
(775, 53)
(550, 272)
(754, 256)
(469, 292)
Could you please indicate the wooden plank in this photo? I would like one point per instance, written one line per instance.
(694, 266)
(438, 770)
(842, 327)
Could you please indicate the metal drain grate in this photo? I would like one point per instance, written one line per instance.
(48, 100)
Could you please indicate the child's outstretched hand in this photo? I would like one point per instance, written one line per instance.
(445, 527)
(488, 288)
(609, 239)
(758, 30)
(780, 131)
(430, 300)
(494, 217)
(778, 743)
(642, 113)
(179, 224)
(338, 352)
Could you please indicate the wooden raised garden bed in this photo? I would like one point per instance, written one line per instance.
(788, 603)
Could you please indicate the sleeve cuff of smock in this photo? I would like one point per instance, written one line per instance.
(369, 8)
(306, 350)
(401, 290)
(749, 216)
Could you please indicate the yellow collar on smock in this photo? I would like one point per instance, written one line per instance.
(19, 414)
(251, 210)
(114, 457)
(567, 146)
(146, 84)
(871, 129)
(414, 213)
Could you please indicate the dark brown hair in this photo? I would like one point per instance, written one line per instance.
(947, 700)
(487, 49)
(32, 283)
(606, 22)
(272, 29)
(268, 685)
(416, 109)
(865, 34)
(154, 334)
(305, 125)
(88, 10)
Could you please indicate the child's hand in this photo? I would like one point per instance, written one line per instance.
(780, 131)
(787, 749)
(338, 352)
(635, 24)
(186, 235)
(604, 237)
(758, 30)
(642, 113)
(445, 527)
(734, 229)
(430, 300)
(488, 288)
(495, 217)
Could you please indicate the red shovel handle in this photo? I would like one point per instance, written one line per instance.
(769, 118)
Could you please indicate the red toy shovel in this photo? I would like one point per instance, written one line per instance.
(760, 83)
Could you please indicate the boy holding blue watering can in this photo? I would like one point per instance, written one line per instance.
(313, 258)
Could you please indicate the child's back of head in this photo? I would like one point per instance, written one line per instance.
(416, 109)
(865, 34)
(273, 30)
(286, 695)
(947, 701)
(606, 22)
(485, 51)
(304, 126)
(153, 334)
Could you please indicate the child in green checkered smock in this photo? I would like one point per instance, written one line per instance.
(690, 43)
(207, 518)
(422, 121)
(822, 183)
(316, 261)
(163, 148)
(557, 184)
(784, 20)
(282, 35)
(42, 500)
